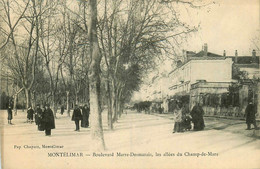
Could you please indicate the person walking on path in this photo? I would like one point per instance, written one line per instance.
(85, 116)
(178, 118)
(197, 117)
(30, 113)
(250, 113)
(62, 110)
(38, 116)
(10, 114)
(48, 121)
(76, 116)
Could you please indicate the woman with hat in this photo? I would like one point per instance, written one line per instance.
(197, 117)
(85, 116)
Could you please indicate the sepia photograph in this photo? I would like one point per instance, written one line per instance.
(130, 84)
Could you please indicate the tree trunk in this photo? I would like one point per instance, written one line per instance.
(109, 104)
(258, 99)
(15, 102)
(97, 136)
(68, 103)
(114, 102)
(120, 104)
(76, 98)
(33, 100)
(54, 105)
(114, 107)
(27, 96)
(118, 108)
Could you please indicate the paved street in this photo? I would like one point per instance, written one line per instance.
(137, 141)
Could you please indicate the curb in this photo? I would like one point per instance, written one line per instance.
(230, 118)
(220, 117)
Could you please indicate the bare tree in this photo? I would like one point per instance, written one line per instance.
(94, 77)
(137, 38)
(5, 6)
(49, 47)
(26, 52)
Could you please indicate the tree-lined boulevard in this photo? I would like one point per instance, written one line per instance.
(137, 141)
(107, 64)
(86, 52)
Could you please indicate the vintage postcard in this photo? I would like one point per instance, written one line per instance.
(123, 84)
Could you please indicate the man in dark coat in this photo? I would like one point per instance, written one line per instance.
(10, 114)
(48, 120)
(250, 113)
(38, 116)
(77, 116)
(62, 110)
(85, 116)
(197, 117)
(30, 113)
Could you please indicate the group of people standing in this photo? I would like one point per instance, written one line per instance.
(183, 118)
(81, 115)
(45, 120)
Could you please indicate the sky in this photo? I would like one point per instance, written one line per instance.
(228, 25)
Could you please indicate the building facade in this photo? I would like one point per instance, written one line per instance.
(203, 66)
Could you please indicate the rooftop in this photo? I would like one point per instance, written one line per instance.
(245, 59)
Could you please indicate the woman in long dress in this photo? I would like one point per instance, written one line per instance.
(48, 121)
(178, 119)
(85, 116)
(197, 117)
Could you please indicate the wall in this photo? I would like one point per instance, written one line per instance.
(200, 89)
(211, 70)
(252, 72)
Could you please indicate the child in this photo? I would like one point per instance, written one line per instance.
(187, 122)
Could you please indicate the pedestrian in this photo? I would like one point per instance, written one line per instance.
(85, 116)
(178, 118)
(250, 113)
(10, 114)
(48, 121)
(197, 117)
(30, 113)
(38, 116)
(62, 110)
(77, 116)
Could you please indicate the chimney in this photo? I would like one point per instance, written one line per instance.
(254, 53)
(236, 56)
(184, 55)
(205, 49)
(224, 53)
